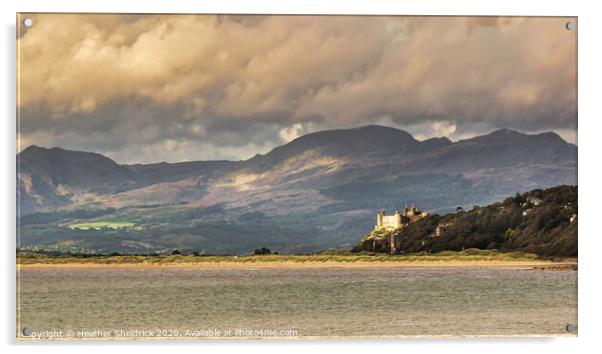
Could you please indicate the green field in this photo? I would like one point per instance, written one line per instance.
(97, 225)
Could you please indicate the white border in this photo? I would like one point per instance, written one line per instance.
(590, 130)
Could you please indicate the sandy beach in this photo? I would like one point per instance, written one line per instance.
(312, 265)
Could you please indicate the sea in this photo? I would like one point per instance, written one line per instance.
(154, 303)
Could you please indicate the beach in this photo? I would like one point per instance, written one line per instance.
(311, 265)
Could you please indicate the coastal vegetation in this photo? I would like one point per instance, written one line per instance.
(467, 255)
(542, 222)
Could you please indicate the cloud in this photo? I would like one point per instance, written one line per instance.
(178, 85)
(296, 130)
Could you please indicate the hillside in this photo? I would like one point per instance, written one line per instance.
(543, 222)
(313, 193)
(49, 179)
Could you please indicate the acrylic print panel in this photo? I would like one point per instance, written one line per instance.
(208, 176)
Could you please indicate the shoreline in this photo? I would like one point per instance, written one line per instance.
(225, 265)
(21, 338)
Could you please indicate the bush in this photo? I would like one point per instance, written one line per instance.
(262, 251)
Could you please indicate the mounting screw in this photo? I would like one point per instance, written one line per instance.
(28, 22)
(26, 331)
(570, 25)
(570, 328)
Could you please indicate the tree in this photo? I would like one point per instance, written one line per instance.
(262, 250)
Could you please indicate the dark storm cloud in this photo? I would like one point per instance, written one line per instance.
(154, 88)
(138, 130)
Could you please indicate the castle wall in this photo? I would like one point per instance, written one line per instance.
(391, 221)
(394, 221)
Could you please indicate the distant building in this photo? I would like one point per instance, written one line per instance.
(440, 229)
(398, 220)
(534, 200)
(389, 222)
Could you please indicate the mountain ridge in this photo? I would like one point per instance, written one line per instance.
(54, 175)
(305, 195)
(441, 140)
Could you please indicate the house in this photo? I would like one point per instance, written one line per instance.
(534, 200)
(440, 229)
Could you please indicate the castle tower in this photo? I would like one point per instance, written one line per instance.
(379, 220)
(397, 219)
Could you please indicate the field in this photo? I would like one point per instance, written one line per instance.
(98, 225)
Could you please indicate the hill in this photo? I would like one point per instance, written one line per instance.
(543, 222)
(313, 193)
(49, 179)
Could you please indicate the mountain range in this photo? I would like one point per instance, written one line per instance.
(320, 190)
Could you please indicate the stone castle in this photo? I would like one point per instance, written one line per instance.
(398, 220)
(395, 222)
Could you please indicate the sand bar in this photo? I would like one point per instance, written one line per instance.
(534, 264)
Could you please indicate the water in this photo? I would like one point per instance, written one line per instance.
(93, 303)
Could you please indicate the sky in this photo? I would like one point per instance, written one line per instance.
(153, 88)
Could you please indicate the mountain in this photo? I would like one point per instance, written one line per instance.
(311, 193)
(54, 178)
(166, 172)
(542, 222)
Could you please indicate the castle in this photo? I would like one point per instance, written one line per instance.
(398, 220)
(395, 222)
